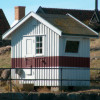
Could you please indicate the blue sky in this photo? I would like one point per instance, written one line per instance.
(32, 5)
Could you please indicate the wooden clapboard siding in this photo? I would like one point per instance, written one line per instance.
(33, 27)
(54, 56)
(71, 74)
(59, 61)
(84, 47)
(53, 46)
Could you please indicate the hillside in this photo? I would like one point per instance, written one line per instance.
(5, 57)
(95, 53)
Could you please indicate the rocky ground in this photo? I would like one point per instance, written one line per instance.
(5, 57)
(5, 49)
(95, 49)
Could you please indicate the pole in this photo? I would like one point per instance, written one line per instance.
(10, 82)
(61, 79)
(96, 4)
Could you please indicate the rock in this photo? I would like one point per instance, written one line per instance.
(3, 50)
(95, 58)
(5, 74)
(98, 73)
(1, 70)
(95, 49)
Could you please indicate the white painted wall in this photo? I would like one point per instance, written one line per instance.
(80, 75)
(52, 47)
(32, 28)
(51, 41)
(84, 47)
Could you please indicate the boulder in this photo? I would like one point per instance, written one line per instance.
(5, 74)
(1, 70)
(3, 50)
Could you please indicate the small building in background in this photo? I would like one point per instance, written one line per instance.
(4, 26)
(55, 48)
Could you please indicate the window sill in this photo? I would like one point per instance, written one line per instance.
(39, 55)
(71, 52)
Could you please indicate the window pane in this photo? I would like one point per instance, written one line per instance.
(37, 50)
(40, 44)
(37, 39)
(37, 45)
(72, 46)
(40, 50)
(41, 39)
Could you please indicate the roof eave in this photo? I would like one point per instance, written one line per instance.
(79, 35)
(83, 24)
(37, 17)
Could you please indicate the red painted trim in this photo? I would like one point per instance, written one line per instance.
(50, 62)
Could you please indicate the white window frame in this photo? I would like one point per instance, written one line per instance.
(42, 54)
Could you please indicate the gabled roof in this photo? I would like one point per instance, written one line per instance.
(69, 25)
(4, 25)
(85, 16)
(82, 15)
(24, 19)
(61, 24)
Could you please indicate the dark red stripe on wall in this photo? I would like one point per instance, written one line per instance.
(50, 62)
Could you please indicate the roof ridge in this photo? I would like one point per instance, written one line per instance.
(67, 9)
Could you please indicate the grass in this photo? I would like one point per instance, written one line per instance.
(95, 43)
(5, 60)
(94, 54)
(95, 64)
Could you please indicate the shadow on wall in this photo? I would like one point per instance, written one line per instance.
(20, 72)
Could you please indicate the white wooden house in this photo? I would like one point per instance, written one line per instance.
(57, 47)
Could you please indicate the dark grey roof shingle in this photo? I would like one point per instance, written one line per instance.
(68, 25)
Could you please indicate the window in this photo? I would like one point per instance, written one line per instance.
(72, 46)
(39, 44)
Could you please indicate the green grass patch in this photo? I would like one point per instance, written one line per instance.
(5, 60)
